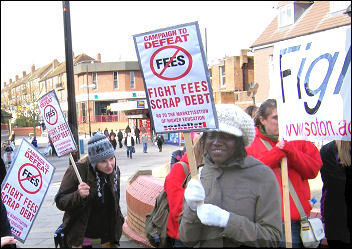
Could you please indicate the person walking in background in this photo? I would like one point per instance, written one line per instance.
(136, 133)
(128, 129)
(303, 161)
(106, 133)
(175, 191)
(113, 140)
(35, 142)
(13, 137)
(160, 141)
(236, 202)
(112, 133)
(251, 110)
(336, 157)
(53, 151)
(119, 138)
(129, 143)
(145, 142)
(92, 208)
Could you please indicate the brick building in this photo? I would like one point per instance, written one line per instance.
(294, 19)
(233, 80)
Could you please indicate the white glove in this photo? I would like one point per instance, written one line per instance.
(212, 215)
(194, 193)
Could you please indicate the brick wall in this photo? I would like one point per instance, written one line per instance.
(24, 131)
(140, 198)
(261, 73)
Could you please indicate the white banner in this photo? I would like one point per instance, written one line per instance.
(176, 78)
(24, 188)
(58, 129)
(314, 87)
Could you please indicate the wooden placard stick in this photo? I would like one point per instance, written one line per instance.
(75, 168)
(286, 200)
(191, 156)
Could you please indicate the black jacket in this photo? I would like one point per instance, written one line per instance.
(333, 203)
(78, 210)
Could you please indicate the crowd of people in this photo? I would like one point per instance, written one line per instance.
(236, 198)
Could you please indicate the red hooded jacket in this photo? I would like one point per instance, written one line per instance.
(303, 163)
(173, 188)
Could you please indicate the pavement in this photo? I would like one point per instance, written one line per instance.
(49, 216)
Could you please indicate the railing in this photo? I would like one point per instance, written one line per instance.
(98, 118)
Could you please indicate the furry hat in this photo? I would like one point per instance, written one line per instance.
(99, 149)
(233, 120)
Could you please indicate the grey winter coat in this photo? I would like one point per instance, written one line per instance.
(249, 191)
(77, 210)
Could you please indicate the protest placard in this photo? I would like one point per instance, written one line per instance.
(24, 188)
(58, 129)
(313, 82)
(176, 79)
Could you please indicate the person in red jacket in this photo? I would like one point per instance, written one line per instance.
(173, 188)
(303, 161)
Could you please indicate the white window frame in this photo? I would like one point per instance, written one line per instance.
(117, 79)
(222, 76)
(284, 19)
(132, 80)
(95, 83)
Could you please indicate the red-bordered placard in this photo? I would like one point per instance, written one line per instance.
(167, 65)
(30, 178)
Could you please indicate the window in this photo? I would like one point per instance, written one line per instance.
(336, 6)
(132, 80)
(116, 80)
(222, 76)
(94, 81)
(286, 15)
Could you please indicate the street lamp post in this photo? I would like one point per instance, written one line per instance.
(90, 131)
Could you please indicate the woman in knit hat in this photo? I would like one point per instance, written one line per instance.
(92, 208)
(237, 200)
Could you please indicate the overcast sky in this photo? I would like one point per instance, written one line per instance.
(33, 32)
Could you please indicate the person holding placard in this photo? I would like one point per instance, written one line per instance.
(237, 200)
(303, 161)
(92, 208)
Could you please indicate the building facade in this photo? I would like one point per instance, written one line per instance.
(294, 19)
(233, 80)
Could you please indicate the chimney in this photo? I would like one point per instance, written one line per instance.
(99, 57)
(24, 73)
(16, 77)
(243, 57)
(55, 63)
(33, 68)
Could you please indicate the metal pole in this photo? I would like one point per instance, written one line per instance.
(90, 131)
(71, 100)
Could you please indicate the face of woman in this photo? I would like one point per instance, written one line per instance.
(106, 166)
(271, 123)
(220, 146)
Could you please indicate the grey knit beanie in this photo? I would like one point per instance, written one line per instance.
(99, 149)
(233, 120)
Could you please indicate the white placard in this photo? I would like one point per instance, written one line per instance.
(58, 129)
(24, 188)
(176, 79)
(314, 92)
